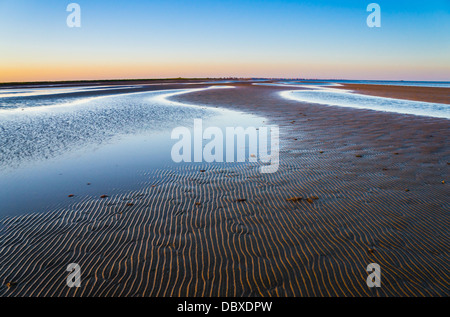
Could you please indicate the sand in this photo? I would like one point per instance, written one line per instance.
(427, 94)
(232, 231)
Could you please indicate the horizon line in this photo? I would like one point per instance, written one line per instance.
(210, 78)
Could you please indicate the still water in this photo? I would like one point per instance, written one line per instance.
(51, 147)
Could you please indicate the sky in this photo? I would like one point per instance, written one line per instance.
(224, 38)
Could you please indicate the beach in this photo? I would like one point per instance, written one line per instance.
(354, 187)
(427, 94)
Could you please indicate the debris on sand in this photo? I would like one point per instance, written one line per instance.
(358, 155)
(104, 196)
(71, 195)
(241, 199)
(294, 199)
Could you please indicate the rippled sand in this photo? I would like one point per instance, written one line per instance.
(374, 183)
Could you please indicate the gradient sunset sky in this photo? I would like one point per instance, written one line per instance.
(209, 38)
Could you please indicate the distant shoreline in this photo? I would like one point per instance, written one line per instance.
(195, 79)
(425, 94)
(100, 81)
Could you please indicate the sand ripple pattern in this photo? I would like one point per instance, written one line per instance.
(231, 231)
(189, 233)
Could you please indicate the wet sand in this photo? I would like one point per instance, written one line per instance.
(228, 230)
(427, 94)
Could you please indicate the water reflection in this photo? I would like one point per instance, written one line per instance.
(343, 98)
(92, 146)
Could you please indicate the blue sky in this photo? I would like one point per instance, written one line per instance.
(246, 38)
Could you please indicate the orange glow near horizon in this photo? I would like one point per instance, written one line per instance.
(87, 71)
